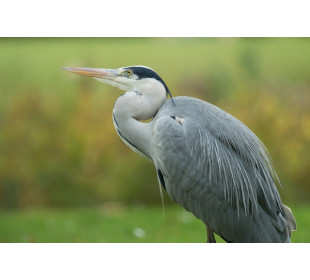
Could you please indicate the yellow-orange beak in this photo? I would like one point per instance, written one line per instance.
(94, 72)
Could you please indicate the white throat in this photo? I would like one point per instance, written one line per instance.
(141, 103)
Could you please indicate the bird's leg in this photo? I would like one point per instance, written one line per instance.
(210, 236)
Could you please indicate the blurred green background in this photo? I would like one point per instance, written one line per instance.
(65, 176)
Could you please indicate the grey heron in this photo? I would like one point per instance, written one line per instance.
(207, 160)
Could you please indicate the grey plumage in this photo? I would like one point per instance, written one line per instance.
(207, 160)
(221, 174)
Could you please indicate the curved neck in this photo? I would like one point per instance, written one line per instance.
(135, 134)
(133, 107)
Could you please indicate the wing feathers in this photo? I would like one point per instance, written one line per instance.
(220, 171)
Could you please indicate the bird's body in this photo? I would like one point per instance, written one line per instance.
(234, 200)
(207, 160)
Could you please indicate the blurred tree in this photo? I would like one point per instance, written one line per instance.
(58, 146)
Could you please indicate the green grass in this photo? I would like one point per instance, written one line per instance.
(117, 223)
(58, 146)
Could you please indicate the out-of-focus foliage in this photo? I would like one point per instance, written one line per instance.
(58, 146)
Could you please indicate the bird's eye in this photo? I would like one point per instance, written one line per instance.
(129, 72)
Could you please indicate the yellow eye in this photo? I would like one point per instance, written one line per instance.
(129, 72)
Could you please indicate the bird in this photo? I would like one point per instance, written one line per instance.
(206, 160)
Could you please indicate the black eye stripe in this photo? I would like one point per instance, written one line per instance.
(143, 72)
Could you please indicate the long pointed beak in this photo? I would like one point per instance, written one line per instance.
(94, 72)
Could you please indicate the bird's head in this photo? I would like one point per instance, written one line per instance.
(139, 79)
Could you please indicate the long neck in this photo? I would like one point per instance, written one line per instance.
(129, 110)
(137, 135)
